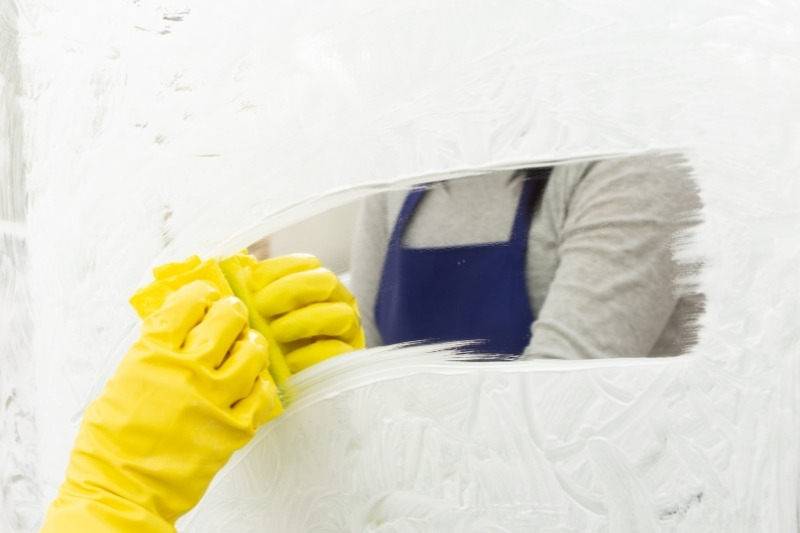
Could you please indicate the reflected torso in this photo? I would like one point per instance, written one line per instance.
(600, 274)
(459, 291)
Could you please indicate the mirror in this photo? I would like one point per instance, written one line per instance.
(571, 261)
(197, 109)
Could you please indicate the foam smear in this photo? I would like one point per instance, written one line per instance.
(475, 444)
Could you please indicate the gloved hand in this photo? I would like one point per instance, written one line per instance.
(190, 392)
(311, 314)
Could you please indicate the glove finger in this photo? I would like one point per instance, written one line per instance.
(315, 352)
(212, 339)
(342, 294)
(360, 341)
(181, 311)
(295, 291)
(330, 319)
(269, 270)
(234, 379)
(261, 405)
(355, 337)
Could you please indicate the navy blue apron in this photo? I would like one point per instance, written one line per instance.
(460, 292)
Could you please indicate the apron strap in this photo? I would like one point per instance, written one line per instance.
(535, 182)
(409, 206)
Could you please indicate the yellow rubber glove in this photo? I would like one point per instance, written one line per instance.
(189, 393)
(310, 312)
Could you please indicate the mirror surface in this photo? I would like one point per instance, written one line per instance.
(574, 261)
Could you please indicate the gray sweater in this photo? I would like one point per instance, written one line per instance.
(600, 272)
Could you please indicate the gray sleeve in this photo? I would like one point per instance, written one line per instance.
(370, 242)
(612, 293)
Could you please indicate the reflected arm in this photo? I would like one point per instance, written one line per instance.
(613, 292)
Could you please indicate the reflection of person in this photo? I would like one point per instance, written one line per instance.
(571, 263)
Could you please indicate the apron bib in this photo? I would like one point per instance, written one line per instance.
(461, 292)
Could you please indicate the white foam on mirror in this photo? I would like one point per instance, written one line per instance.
(149, 130)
